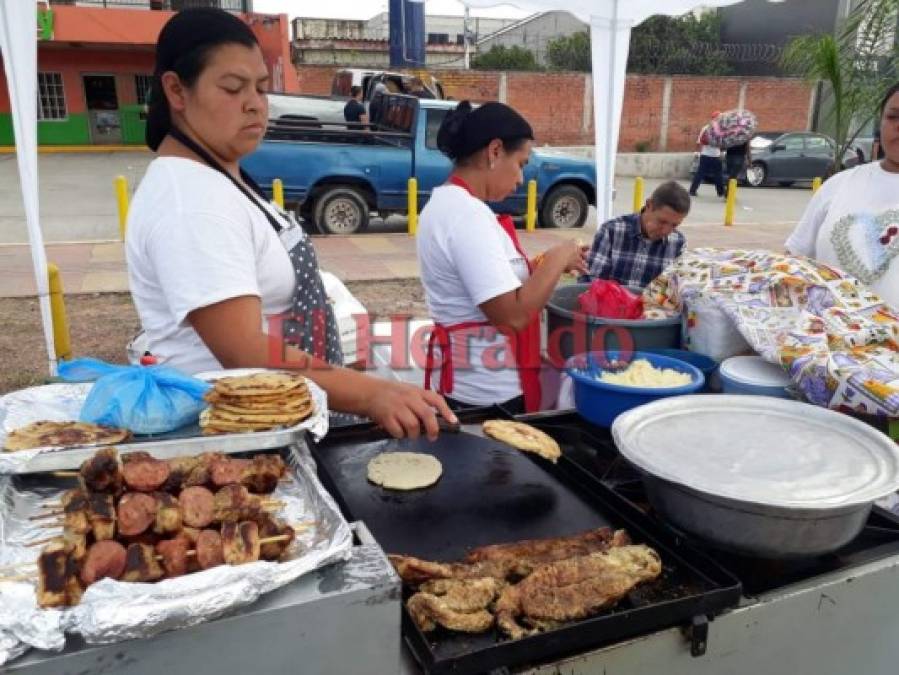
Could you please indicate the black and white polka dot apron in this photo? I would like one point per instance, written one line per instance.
(310, 324)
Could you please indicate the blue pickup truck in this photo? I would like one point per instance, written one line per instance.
(337, 176)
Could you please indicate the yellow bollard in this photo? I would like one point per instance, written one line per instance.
(61, 336)
(638, 194)
(816, 185)
(531, 217)
(278, 192)
(121, 193)
(731, 207)
(413, 207)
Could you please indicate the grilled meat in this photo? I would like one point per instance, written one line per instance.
(575, 588)
(240, 542)
(101, 515)
(456, 604)
(140, 564)
(509, 561)
(168, 514)
(104, 559)
(102, 472)
(58, 584)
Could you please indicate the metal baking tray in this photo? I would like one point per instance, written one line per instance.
(63, 402)
(111, 611)
(490, 493)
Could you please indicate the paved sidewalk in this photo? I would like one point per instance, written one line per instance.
(100, 267)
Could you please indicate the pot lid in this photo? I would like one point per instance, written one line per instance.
(760, 450)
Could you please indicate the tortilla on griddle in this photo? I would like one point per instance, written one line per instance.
(524, 437)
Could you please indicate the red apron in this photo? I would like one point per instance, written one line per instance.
(525, 344)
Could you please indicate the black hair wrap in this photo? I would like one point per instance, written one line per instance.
(183, 45)
(466, 130)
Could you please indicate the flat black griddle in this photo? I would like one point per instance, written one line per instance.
(490, 493)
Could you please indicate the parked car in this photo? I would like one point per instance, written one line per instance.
(335, 179)
(788, 157)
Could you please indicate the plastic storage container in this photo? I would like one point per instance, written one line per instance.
(753, 375)
(601, 402)
(562, 312)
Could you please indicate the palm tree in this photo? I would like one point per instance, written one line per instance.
(856, 65)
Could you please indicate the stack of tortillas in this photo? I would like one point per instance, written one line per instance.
(256, 402)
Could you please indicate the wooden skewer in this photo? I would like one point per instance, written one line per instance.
(49, 514)
(21, 577)
(38, 542)
(65, 474)
(16, 566)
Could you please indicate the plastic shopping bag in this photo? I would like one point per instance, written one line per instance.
(610, 300)
(142, 399)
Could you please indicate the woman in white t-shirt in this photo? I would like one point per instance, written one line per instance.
(852, 222)
(482, 292)
(212, 264)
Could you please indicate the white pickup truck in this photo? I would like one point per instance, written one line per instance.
(330, 108)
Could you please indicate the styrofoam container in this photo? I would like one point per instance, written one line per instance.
(753, 375)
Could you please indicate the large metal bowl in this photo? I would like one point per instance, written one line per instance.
(756, 475)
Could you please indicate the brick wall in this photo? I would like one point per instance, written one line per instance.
(554, 103)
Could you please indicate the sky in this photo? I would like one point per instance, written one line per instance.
(365, 9)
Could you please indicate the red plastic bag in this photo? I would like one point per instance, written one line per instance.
(610, 300)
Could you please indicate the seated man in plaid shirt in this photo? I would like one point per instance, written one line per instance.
(634, 249)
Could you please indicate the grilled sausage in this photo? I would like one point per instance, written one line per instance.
(197, 506)
(136, 512)
(104, 559)
(228, 471)
(145, 475)
(209, 549)
(174, 555)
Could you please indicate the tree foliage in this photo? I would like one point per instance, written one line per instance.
(661, 45)
(569, 52)
(685, 45)
(501, 57)
(856, 66)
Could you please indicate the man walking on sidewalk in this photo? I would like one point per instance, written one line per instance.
(709, 162)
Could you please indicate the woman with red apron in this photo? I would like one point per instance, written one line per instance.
(483, 293)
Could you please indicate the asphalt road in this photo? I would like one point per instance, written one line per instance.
(77, 202)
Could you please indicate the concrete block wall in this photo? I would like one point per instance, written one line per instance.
(660, 113)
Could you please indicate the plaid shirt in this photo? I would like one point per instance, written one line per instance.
(620, 252)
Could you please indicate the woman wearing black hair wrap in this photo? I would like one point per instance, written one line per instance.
(483, 293)
(211, 262)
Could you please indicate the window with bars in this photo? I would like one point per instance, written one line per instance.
(142, 84)
(51, 97)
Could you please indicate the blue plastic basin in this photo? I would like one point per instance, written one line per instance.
(601, 402)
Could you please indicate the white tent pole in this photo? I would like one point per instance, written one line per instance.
(611, 119)
(18, 46)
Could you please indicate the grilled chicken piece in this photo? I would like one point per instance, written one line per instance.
(168, 514)
(75, 514)
(240, 542)
(58, 584)
(102, 472)
(456, 604)
(234, 503)
(101, 515)
(262, 475)
(140, 564)
(575, 588)
(269, 526)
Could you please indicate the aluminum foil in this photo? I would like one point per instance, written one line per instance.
(111, 611)
(63, 402)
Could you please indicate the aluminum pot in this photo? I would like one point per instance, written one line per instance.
(757, 475)
(753, 529)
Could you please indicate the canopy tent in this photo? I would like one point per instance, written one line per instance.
(610, 31)
(18, 47)
(610, 26)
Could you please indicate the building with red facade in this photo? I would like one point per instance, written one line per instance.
(95, 60)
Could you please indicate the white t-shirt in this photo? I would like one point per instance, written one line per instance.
(467, 259)
(708, 150)
(852, 223)
(193, 239)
